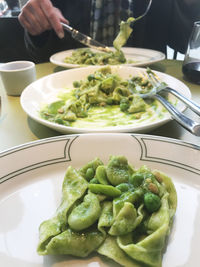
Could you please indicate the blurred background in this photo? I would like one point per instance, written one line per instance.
(12, 45)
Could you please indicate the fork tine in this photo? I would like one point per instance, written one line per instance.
(154, 77)
(142, 74)
(144, 14)
(146, 75)
(151, 79)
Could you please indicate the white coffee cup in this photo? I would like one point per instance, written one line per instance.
(17, 75)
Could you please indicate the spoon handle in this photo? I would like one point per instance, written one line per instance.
(184, 121)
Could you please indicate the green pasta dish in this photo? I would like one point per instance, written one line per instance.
(104, 99)
(115, 210)
(86, 56)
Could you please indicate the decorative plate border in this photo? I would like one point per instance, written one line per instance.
(146, 153)
(63, 157)
(64, 153)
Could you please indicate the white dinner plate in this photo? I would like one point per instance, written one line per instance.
(46, 89)
(140, 56)
(31, 177)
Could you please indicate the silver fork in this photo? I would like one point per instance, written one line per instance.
(183, 120)
(160, 86)
(144, 14)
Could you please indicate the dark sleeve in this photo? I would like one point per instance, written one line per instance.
(182, 20)
(41, 47)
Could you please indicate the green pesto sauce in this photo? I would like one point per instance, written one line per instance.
(110, 116)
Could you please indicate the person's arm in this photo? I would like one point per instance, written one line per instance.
(184, 14)
(43, 31)
(42, 46)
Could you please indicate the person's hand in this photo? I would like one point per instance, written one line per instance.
(38, 16)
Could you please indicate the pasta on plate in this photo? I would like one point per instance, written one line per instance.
(116, 210)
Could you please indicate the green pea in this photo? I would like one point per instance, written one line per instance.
(107, 190)
(59, 121)
(124, 107)
(76, 84)
(93, 165)
(123, 187)
(152, 202)
(136, 179)
(89, 174)
(94, 181)
(101, 174)
(91, 77)
(109, 101)
(85, 214)
(124, 104)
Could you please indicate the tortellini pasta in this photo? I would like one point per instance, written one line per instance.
(117, 210)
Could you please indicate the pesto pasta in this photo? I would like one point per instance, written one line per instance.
(85, 56)
(104, 99)
(118, 211)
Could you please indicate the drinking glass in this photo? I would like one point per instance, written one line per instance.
(191, 63)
